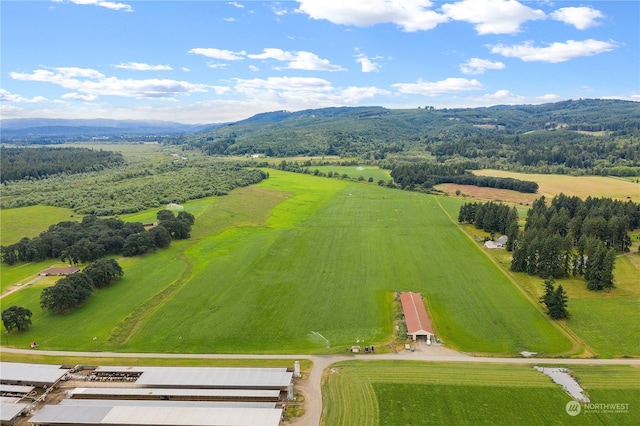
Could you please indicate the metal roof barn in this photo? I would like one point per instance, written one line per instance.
(17, 373)
(210, 377)
(160, 416)
(152, 403)
(10, 410)
(256, 395)
(415, 315)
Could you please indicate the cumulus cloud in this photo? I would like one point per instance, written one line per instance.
(93, 83)
(138, 66)
(223, 54)
(107, 4)
(476, 66)
(555, 52)
(300, 60)
(580, 17)
(492, 16)
(6, 96)
(79, 97)
(236, 4)
(436, 88)
(549, 97)
(353, 95)
(500, 97)
(367, 64)
(410, 15)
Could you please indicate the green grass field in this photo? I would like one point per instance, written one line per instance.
(30, 221)
(414, 393)
(354, 172)
(297, 259)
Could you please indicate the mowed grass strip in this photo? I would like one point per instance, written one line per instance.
(320, 274)
(409, 393)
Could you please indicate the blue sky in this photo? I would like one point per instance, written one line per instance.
(218, 61)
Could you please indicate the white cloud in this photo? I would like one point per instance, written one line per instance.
(236, 4)
(549, 97)
(300, 60)
(254, 68)
(78, 97)
(353, 95)
(138, 66)
(580, 17)
(309, 84)
(186, 69)
(229, 19)
(476, 66)
(555, 52)
(367, 64)
(410, 15)
(108, 4)
(216, 65)
(442, 87)
(492, 16)
(6, 96)
(226, 55)
(500, 97)
(92, 82)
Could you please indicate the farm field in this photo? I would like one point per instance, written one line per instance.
(581, 186)
(249, 280)
(354, 172)
(30, 221)
(394, 393)
(606, 321)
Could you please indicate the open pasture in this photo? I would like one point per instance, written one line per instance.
(354, 172)
(30, 221)
(299, 263)
(404, 393)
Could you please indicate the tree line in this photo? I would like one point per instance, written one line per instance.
(423, 175)
(36, 163)
(94, 238)
(72, 290)
(133, 187)
(575, 237)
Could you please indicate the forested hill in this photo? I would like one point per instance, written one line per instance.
(593, 135)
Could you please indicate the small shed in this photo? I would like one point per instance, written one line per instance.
(415, 316)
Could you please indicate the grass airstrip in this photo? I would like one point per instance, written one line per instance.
(411, 393)
(301, 264)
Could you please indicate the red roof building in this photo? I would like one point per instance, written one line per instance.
(59, 271)
(415, 316)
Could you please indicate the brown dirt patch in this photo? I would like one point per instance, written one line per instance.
(488, 194)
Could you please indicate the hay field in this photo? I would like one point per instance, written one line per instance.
(581, 186)
(404, 393)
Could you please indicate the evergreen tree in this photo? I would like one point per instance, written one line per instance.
(558, 304)
(547, 297)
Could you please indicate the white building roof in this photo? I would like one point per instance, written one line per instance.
(8, 411)
(171, 403)
(160, 416)
(33, 374)
(209, 377)
(159, 392)
(16, 389)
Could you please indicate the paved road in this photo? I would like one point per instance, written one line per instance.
(312, 389)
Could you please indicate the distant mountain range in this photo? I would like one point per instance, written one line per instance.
(43, 128)
(331, 125)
